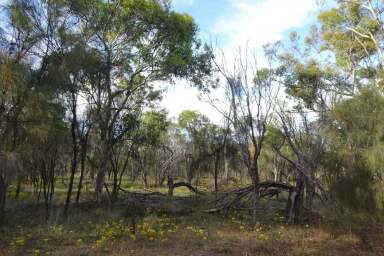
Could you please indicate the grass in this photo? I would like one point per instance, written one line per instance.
(91, 230)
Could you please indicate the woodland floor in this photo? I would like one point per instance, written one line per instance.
(177, 227)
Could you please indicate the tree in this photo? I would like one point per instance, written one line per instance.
(84, 132)
(307, 148)
(353, 31)
(154, 131)
(250, 97)
(354, 159)
(194, 125)
(138, 42)
(45, 142)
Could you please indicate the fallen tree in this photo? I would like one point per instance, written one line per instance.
(237, 199)
(172, 186)
(234, 198)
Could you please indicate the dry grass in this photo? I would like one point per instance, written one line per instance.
(95, 232)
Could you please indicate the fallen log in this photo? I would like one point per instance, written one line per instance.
(172, 186)
(155, 193)
(264, 189)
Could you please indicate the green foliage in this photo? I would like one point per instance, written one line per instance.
(350, 32)
(305, 82)
(149, 35)
(192, 121)
(155, 127)
(203, 141)
(356, 156)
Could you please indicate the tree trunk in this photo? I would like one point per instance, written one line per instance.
(254, 204)
(255, 182)
(3, 196)
(310, 192)
(18, 188)
(39, 189)
(80, 185)
(295, 201)
(102, 171)
(170, 186)
(216, 174)
(74, 153)
(226, 167)
(115, 187)
(119, 179)
(106, 127)
(82, 169)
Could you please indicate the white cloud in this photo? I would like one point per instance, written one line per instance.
(262, 21)
(252, 22)
(182, 96)
(183, 2)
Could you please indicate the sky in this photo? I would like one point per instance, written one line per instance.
(233, 24)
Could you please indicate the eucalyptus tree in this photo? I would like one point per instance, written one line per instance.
(69, 70)
(125, 147)
(138, 42)
(217, 142)
(337, 59)
(154, 144)
(354, 32)
(194, 127)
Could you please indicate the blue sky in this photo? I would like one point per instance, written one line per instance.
(233, 24)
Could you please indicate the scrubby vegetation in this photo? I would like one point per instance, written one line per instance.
(91, 165)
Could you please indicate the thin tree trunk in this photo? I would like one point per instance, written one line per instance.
(39, 188)
(3, 196)
(105, 116)
(216, 173)
(254, 204)
(102, 171)
(255, 182)
(121, 175)
(82, 169)
(74, 152)
(226, 167)
(115, 187)
(170, 186)
(18, 188)
(83, 157)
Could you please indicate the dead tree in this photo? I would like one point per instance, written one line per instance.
(236, 199)
(307, 149)
(249, 105)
